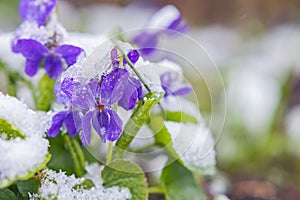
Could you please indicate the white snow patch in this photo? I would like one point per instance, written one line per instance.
(19, 156)
(61, 186)
(193, 143)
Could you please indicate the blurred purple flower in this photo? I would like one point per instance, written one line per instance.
(35, 53)
(168, 20)
(172, 86)
(36, 10)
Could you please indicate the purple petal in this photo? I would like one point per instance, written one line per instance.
(131, 94)
(31, 49)
(60, 95)
(133, 56)
(72, 123)
(57, 121)
(100, 120)
(114, 128)
(114, 56)
(69, 53)
(178, 25)
(53, 66)
(38, 11)
(183, 91)
(86, 128)
(79, 94)
(31, 67)
(112, 86)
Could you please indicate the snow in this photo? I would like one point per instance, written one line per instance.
(59, 185)
(31, 30)
(19, 156)
(194, 144)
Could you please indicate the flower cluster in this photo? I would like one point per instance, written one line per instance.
(91, 102)
(31, 42)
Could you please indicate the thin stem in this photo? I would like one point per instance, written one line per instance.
(76, 153)
(156, 190)
(136, 72)
(109, 153)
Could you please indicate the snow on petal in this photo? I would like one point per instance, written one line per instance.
(193, 143)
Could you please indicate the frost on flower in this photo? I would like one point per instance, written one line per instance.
(90, 102)
(23, 150)
(193, 143)
(57, 185)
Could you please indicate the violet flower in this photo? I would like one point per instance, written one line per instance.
(36, 10)
(92, 104)
(133, 87)
(167, 21)
(35, 53)
(172, 86)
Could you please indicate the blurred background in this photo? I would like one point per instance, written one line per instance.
(253, 48)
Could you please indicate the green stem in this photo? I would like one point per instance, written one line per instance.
(283, 101)
(143, 148)
(156, 190)
(140, 78)
(135, 71)
(76, 153)
(109, 153)
(13, 78)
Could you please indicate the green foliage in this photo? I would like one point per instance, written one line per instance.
(178, 183)
(44, 94)
(61, 157)
(9, 130)
(138, 118)
(124, 173)
(77, 155)
(180, 117)
(86, 184)
(29, 186)
(6, 194)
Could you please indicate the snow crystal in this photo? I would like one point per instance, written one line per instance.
(19, 156)
(58, 184)
(193, 143)
(31, 30)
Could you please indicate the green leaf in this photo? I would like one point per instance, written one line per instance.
(6, 194)
(179, 183)
(180, 117)
(86, 184)
(9, 130)
(45, 93)
(137, 119)
(162, 136)
(29, 186)
(124, 173)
